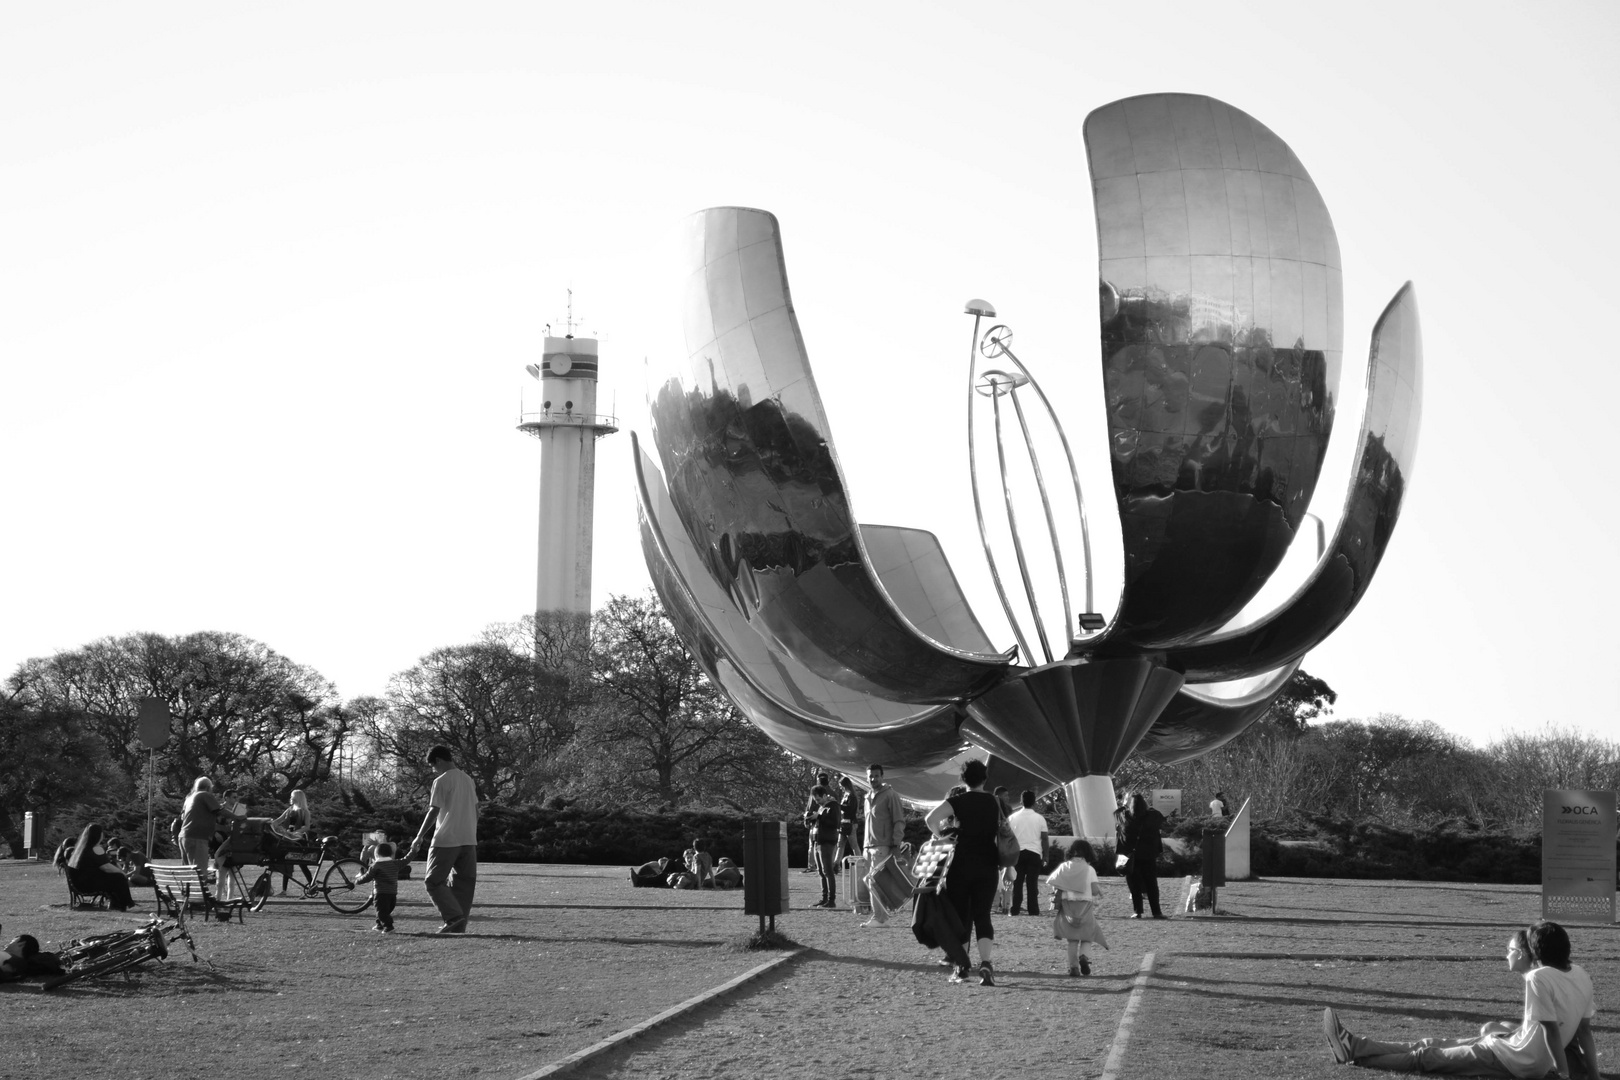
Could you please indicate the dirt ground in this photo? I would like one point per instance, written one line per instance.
(562, 956)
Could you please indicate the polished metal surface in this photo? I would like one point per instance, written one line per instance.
(1222, 307)
(1386, 451)
(746, 449)
(1071, 718)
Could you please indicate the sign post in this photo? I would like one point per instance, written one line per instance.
(1166, 801)
(153, 721)
(1578, 856)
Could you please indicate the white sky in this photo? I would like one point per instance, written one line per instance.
(269, 275)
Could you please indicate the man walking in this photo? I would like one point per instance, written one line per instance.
(885, 829)
(452, 819)
(1029, 826)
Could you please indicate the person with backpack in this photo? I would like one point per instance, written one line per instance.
(1141, 845)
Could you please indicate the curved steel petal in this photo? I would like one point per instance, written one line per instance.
(748, 455)
(714, 617)
(1386, 451)
(1073, 718)
(1200, 719)
(1222, 312)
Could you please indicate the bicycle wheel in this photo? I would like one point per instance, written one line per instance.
(339, 887)
(147, 947)
(259, 892)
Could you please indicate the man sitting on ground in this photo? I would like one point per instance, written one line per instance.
(1558, 1009)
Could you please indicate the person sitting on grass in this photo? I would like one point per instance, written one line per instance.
(727, 875)
(1558, 1009)
(700, 864)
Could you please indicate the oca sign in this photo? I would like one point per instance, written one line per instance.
(1577, 856)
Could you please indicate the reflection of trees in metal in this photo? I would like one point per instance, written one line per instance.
(1221, 344)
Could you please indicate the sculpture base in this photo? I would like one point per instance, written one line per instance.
(1091, 806)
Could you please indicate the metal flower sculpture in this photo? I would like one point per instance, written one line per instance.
(1221, 305)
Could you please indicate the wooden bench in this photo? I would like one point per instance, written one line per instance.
(179, 885)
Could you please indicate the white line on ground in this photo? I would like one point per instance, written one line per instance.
(579, 1057)
(1122, 1036)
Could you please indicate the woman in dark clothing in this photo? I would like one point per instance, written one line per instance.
(970, 884)
(1142, 845)
(849, 817)
(92, 870)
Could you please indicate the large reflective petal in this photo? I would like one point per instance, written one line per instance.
(1205, 717)
(1222, 342)
(747, 452)
(1386, 452)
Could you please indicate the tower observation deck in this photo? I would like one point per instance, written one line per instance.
(567, 426)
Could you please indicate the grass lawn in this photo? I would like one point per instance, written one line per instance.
(561, 956)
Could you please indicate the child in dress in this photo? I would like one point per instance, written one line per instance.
(384, 872)
(1075, 891)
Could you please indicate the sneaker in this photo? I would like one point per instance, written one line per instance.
(986, 976)
(459, 926)
(1138, 915)
(869, 923)
(961, 974)
(1085, 966)
(1074, 973)
(388, 929)
(1338, 1038)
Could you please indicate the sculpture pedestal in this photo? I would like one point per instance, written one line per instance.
(1091, 806)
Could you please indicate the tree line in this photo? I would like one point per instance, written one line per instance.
(1405, 773)
(614, 710)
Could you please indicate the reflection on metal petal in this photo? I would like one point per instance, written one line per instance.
(1203, 717)
(748, 455)
(1072, 718)
(1387, 449)
(1222, 338)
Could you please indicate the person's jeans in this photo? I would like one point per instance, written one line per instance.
(1143, 878)
(1027, 882)
(873, 857)
(829, 870)
(458, 866)
(1454, 1057)
(385, 910)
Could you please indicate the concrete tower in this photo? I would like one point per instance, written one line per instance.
(567, 426)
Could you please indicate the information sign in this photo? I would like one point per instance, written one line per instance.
(1578, 856)
(153, 722)
(1167, 801)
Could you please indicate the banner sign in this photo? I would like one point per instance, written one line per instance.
(1167, 801)
(1578, 856)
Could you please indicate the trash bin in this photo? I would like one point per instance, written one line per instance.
(765, 869)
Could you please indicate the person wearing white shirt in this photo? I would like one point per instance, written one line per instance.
(1558, 1010)
(1029, 826)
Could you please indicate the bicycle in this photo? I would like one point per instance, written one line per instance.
(108, 954)
(329, 878)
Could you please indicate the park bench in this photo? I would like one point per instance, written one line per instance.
(180, 886)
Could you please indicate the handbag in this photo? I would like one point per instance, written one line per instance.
(1007, 845)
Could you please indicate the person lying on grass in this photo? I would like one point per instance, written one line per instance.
(1558, 1010)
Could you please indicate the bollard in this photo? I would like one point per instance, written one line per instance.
(1214, 870)
(765, 870)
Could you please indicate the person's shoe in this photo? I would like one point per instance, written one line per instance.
(1085, 966)
(1138, 915)
(1074, 973)
(946, 961)
(869, 923)
(1013, 912)
(961, 974)
(1160, 915)
(457, 926)
(986, 975)
(1338, 1038)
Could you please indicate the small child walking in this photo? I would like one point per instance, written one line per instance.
(1075, 890)
(384, 873)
